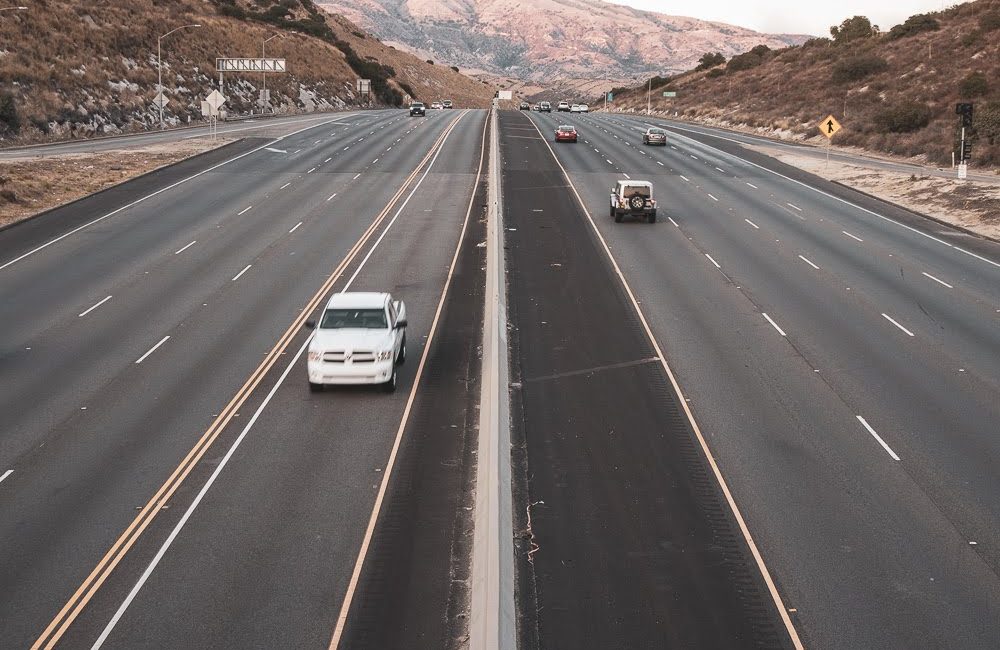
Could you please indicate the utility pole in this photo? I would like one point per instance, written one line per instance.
(159, 67)
(263, 73)
(649, 88)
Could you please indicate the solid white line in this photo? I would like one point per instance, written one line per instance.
(978, 257)
(712, 197)
(671, 220)
(237, 276)
(157, 192)
(851, 236)
(890, 319)
(712, 260)
(295, 227)
(331, 196)
(702, 442)
(792, 205)
(937, 280)
(752, 224)
(808, 262)
(356, 176)
(752, 185)
(246, 209)
(184, 248)
(311, 170)
(685, 178)
(6, 474)
(878, 437)
(90, 309)
(284, 186)
(775, 325)
(152, 349)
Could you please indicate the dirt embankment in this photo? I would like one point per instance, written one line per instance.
(32, 184)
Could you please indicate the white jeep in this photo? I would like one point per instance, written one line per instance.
(633, 198)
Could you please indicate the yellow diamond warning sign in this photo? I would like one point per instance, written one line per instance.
(829, 126)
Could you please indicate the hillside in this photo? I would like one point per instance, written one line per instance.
(542, 40)
(75, 69)
(894, 91)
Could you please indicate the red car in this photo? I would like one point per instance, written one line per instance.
(566, 133)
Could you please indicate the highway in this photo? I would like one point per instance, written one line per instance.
(146, 352)
(841, 358)
(767, 420)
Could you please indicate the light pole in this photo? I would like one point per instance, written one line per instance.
(263, 72)
(649, 88)
(159, 67)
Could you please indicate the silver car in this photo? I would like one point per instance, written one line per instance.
(654, 135)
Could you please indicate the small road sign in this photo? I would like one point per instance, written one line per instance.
(216, 99)
(669, 93)
(506, 95)
(160, 101)
(829, 126)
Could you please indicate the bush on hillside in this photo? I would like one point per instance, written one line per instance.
(903, 117)
(858, 67)
(853, 29)
(973, 85)
(455, 68)
(914, 25)
(748, 60)
(715, 73)
(990, 20)
(10, 120)
(710, 60)
(987, 122)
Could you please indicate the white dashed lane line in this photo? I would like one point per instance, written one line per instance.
(244, 210)
(938, 280)
(5, 475)
(774, 325)
(808, 262)
(712, 197)
(752, 224)
(752, 185)
(659, 163)
(671, 219)
(152, 349)
(185, 247)
(894, 322)
(712, 260)
(877, 437)
(284, 186)
(852, 236)
(295, 227)
(237, 276)
(92, 308)
(311, 170)
(328, 159)
(793, 206)
(329, 198)
(685, 178)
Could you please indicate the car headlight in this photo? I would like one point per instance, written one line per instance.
(384, 355)
(315, 355)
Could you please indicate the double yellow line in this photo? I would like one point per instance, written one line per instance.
(83, 595)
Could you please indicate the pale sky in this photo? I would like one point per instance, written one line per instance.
(794, 16)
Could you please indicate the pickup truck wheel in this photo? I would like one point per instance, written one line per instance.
(315, 388)
(401, 359)
(636, 201)
(390, 386)
(652, 217)
(618, 217)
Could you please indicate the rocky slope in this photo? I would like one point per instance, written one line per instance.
(77, 69)
(538, 40)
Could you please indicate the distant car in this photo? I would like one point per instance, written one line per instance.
(545, 107)
(536, 107)
(563, 107)
(525, 106)
(436, 106)
(447, 104)
(633, 198)
(566, 133)
(575, 108)
(584, 108)
(360, 339)
(654, 135)
(417, 108)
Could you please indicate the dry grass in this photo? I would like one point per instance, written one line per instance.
(31, 185)
(794, 89)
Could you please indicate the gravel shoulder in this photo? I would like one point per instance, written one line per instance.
(33, 184)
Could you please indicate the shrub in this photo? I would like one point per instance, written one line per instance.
(710, 60)
(429, 61)
(990, 20)
(455, 68)
(914, 25)
(10, 120)
(853, 29)
(715, 73)
(858, 67)
(819, 41)
(904, 117)
(973, 85)
(748, 60)
(407, 88)
(986, 121)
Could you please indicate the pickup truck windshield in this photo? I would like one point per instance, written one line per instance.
(371, 319)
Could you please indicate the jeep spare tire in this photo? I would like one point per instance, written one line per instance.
(636, 201)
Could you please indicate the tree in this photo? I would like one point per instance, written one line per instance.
(10, 120)
(974, 84)
(853, 29)
(710, 60)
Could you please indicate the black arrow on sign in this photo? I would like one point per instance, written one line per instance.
(829, 126)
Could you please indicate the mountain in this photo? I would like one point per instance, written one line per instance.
(539, 40)
(893, 92)
(84, 68)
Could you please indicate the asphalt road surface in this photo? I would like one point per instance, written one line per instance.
(171, 479)
(841, 358)
(768, 419)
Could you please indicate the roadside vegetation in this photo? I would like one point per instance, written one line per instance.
(894, 90)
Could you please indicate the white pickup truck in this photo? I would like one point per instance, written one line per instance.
(360, 339)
